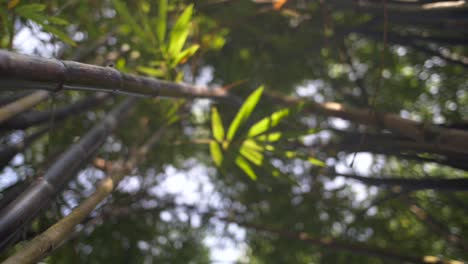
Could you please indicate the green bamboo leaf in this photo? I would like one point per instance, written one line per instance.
(57, 21)
(216, 153)
(254, 156)
(151, 71)
(25, 10)
(217, 125)
(245, 166)
(58, 33)
(161, 21)
(244, 112)
(270, 137)
(180, 32)
(249, 143)
(316, 162)
(185, 54)
(267, 123)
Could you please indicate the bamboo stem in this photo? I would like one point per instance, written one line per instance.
(456, 184)
(22, 105)
(26, 120)
(53, 237)
(28, 205)
(449, 139)
(28, 72)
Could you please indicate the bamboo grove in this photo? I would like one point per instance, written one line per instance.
(273, 104)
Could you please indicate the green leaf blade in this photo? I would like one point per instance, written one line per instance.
(217, 125)
(244, 112)
(245, 166)
(180, 32)
(316, 162)
(216, 153)
(161, 24)
(185, 54)
(252, 155)
(268, 122)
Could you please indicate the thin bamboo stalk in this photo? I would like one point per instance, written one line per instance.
(26, 120)
(11, 97)
(449, 139)
(53, 237)
(442, 184)
(12, 109)
(28, 205)
(28, 72)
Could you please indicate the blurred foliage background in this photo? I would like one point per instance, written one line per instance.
(406, 58)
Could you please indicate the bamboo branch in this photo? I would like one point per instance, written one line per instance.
(11, 97)
(27, 72)
(457, 184)
(53, 237)
(12, 109)
(18, 213)
(26, 120)
(450, 139)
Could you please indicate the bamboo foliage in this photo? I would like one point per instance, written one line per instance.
(50, 239)
(19, 212)
(28, 72)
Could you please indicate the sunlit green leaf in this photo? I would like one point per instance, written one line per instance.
(249, 143)
(25, 10)
(180, 32)
(185, 54)
(244, 112)
(151, 71)
(316, 162)
(270, 137)
(216, 153)
(58, 21)
(245, 166)
(161, 21)
(217, 125)
(267, 123)
(254, 156)
(61, 35)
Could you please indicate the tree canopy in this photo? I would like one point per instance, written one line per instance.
(288, 131)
